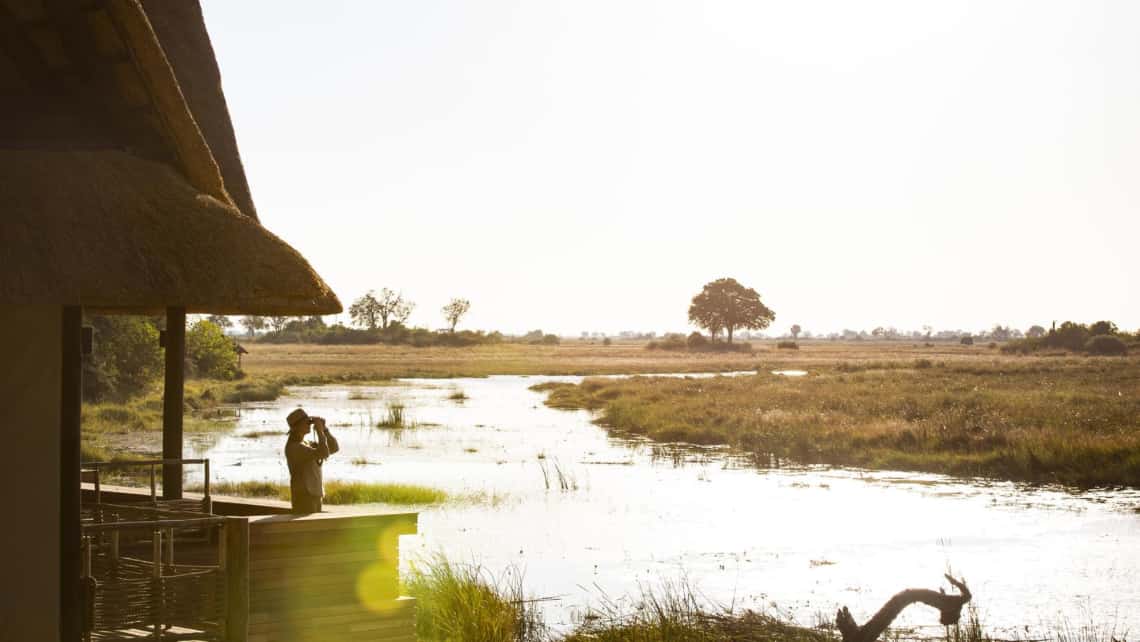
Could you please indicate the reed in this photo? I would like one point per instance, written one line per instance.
(339, 492)
(1068, 421)
(466, 602)
(394, 417)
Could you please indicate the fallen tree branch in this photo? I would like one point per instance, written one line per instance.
(949, 606)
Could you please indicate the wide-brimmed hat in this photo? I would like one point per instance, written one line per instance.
(298, 418)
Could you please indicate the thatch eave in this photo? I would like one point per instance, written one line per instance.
(113, 232)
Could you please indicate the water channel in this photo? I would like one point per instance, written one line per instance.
(587, 516)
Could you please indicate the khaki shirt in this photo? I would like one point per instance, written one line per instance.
(304, 460)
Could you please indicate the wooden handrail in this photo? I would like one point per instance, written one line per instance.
(155, 523)
(141, 462)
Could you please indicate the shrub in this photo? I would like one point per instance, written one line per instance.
(126, 359)
(697, 341)
(967, 341)
(671, 341)
(607, 341)
(1023, 346)
(210, 353)
(1106, 344)
(550, 340)
(788, 345)
(1070, 335)
(1103, 327)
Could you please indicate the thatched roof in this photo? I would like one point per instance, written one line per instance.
(182, 31)
(140, 182)
(108, 230)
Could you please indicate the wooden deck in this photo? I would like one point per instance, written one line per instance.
(308, 578)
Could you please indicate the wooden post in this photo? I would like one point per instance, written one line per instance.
(237, 579)
(172, 391)
(71, 399)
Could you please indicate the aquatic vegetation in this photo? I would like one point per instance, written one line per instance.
(339, 492)
(394, 417)
(458, 396)
(466, 602)
(262, 390)
(1072, 421)
(674, 611)
(563, 480)
(345, 492)
(258, 434)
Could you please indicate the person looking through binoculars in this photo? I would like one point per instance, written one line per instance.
(306, 485)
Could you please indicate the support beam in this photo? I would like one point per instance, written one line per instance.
(237, 578)
(71, 399)
(172, 391)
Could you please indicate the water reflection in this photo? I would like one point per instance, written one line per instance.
(584, 509)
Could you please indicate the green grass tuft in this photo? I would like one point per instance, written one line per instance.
(394, 417)
(340, 492)
(465, 602)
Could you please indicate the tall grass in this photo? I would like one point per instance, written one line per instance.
(674, 611)
(466, 602)
(394, 416)
(1069, 421)
(339, 492)
(563, 480)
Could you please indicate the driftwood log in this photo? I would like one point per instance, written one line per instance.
(950, 607)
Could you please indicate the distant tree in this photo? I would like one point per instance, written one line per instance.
(393, 308)
(220, 320)
(1035, 332)
(454, 311)
(211, 353)
(1000, 333)
(252, 324)
(725, 304)
(928, 330)
(1103, 328)
(967, 340)
(796, 331)
(365, 311)
(879, 332)
(278, 323)
(126, 359)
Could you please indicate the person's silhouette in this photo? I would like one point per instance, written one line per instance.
(306, 485)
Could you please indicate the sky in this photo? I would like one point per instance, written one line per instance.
(587, 165)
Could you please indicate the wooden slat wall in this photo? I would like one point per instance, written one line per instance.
(328, 577)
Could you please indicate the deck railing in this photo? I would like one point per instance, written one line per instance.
(93, 472)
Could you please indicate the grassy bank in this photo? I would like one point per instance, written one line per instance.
(340, 492)
(467, 602)
(1069, 420)
(305, 362)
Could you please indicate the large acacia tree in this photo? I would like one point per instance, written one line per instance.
(725, 304)
(372, 311)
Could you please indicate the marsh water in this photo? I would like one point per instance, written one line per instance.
(589, 517)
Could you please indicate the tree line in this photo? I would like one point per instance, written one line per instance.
(127, 361)
(375, 317)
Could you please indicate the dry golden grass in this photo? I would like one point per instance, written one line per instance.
(1070, 419)
(572, 357)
